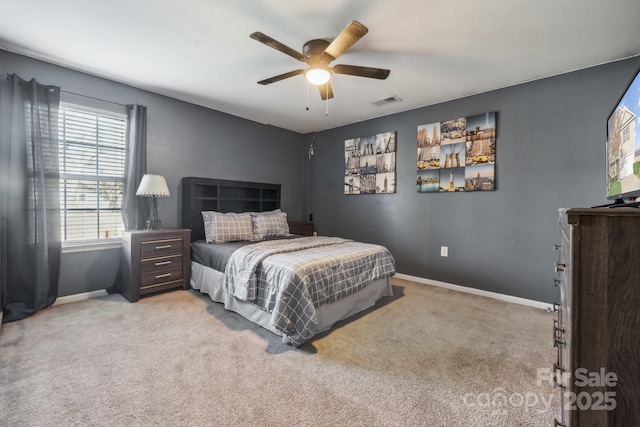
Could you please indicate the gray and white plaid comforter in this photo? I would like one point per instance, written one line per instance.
(291, 278)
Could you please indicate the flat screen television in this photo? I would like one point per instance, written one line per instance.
(623, 146)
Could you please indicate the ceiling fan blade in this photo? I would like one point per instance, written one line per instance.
(263, 38)
(351, 34)
(280, 77)
(354, 70)
(326, 92)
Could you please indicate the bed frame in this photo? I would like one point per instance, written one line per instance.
(203, 194)
(208, 194)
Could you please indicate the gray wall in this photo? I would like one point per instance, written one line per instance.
(183, 140)
(550, 155)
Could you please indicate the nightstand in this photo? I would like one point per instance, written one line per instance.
(303, 228)
(154, 261)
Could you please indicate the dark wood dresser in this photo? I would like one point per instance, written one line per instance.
(155, 261)
(597, 330)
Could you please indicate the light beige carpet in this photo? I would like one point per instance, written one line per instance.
(425, 357)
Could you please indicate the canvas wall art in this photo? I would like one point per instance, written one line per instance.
(370, 164)
(457, 155)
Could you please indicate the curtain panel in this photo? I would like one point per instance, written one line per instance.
(135, 210)
(29, 197)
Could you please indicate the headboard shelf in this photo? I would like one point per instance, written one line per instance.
(208, 194)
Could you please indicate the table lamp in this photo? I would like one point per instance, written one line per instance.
(153, 186)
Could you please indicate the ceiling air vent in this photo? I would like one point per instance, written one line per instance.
(387, 100)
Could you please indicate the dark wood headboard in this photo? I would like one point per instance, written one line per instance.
(207, 194)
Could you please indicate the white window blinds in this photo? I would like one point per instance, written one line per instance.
(92, 150)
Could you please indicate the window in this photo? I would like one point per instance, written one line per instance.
(92, 151)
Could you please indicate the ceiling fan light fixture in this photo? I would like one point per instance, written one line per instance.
(318, 54)
(317, 76)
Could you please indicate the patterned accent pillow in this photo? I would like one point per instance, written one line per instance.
(227, 227)
(269, 224)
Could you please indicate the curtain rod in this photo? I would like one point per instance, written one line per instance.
(82, 96)
(91, 97)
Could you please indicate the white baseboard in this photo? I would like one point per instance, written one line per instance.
(502, 297)
(80, 297)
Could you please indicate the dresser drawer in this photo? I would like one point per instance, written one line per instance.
(165, 246)
(161, 263)
(156, 277)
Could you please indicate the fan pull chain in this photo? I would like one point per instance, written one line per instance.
(307, 94)
(326, 110)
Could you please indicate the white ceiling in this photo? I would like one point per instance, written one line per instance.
(200, 51)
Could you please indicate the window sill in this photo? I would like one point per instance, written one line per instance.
(91, 245)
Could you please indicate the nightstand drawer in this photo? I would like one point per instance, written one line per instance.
(155, 277)
(154, 248)
(161, 263)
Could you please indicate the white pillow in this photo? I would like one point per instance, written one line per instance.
(227, 227)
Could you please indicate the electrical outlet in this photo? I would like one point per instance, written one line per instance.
(444, 251)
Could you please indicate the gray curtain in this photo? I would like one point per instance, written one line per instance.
(135, 210)
(29, 197)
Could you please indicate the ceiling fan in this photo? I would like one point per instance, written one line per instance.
(318, 54)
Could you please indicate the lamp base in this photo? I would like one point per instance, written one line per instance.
(154, 223)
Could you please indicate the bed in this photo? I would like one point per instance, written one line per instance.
(244, 257)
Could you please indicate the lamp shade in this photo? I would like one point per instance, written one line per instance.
(153, 186)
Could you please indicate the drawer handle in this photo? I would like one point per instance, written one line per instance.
(557, 369)
(163, 247)
(162, 263)
(556, 282)
(556, 326)
(160, 276)
(557, 334)
(560, 266)
(556, 247)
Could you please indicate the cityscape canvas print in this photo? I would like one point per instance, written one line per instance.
(370, 164)
(457, 155)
